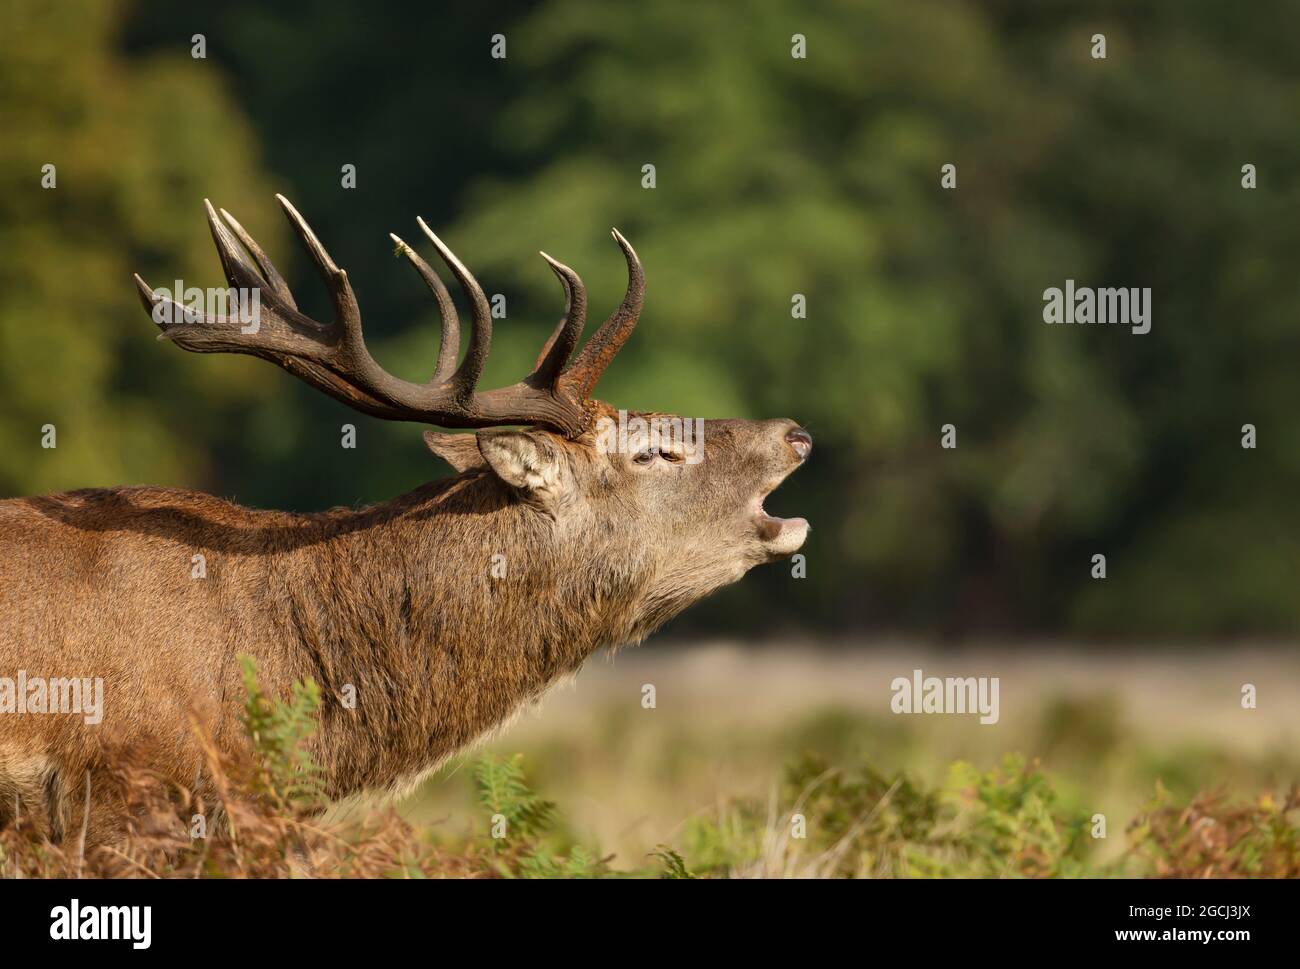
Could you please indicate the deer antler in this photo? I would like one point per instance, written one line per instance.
(332, 357)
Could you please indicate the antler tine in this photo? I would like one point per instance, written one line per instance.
(581, 376)
(465, 379)
(151, 301)
(449, 345)
(560, 344)
(346, 312)
(269, 272)
(234, 266)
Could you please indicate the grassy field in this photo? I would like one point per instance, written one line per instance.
(736, 729)
(779, 761)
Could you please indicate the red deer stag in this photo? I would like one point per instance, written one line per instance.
(442, 611)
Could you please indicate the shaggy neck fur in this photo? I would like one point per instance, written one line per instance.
(447, 610)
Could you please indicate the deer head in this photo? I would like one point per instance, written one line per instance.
(677, 501)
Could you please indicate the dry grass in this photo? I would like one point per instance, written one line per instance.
(247, 833)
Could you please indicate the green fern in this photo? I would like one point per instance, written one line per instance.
(674, 865)
(279, 731)
(580, 863)
(503, 790)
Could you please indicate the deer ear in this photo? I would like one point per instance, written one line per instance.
(525, 461)
(458, 450)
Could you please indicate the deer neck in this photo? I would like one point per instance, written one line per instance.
(430, 620)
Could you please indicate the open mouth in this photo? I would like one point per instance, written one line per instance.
(782, 535)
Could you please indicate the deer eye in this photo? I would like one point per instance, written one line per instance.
(646, 457)
(672, 457)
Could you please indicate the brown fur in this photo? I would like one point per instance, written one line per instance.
(397, 600)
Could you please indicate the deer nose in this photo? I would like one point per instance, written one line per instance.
(800, 440)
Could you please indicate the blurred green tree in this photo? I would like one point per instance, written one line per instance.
(821, 176)
(134, 144)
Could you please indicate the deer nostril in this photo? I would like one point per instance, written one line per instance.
(800, 440)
